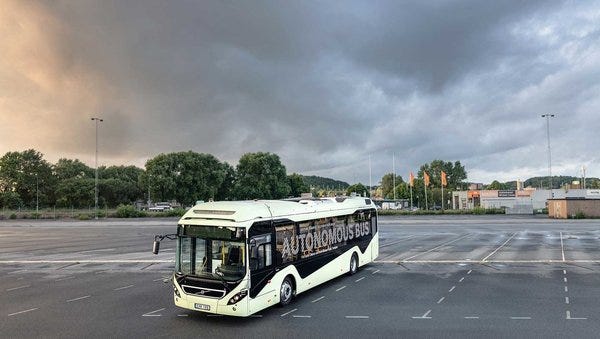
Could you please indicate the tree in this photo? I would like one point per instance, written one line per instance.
(186, 177)
(455, 174)
(75, 192)
(359, 189)
(496, 185)
(387, 185)
(297, 185)
(261, 176)
(28, 175)
(68, 169)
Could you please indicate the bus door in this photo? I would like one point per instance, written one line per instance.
(262, 269)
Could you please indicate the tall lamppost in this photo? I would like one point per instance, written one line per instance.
(548, 116)
(96, 120)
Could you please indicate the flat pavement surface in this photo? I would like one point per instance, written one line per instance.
(436, 276)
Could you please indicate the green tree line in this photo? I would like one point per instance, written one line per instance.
(27, 180)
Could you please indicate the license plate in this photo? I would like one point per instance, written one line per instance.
(202, 307)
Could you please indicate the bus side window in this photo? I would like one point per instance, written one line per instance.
(260, 252)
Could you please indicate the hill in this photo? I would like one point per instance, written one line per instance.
(321, 182)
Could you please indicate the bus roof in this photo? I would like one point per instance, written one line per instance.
(241, 211)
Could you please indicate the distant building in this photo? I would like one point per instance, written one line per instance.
(517, 201)
(573, 207)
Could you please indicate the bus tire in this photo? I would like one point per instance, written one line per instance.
(353, 264)
(286, 292)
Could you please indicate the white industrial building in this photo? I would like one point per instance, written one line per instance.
(517, 201)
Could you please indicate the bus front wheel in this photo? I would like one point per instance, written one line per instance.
(353, 264)
(286, 291)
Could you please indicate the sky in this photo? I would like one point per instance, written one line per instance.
(326, 85)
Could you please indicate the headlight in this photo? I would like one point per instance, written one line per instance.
(238, 297)
(176, 291)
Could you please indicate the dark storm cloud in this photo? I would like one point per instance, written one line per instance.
(324, 85)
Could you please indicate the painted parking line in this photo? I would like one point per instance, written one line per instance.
(441, 299)
(375, 272)
(520, 318)
(21, 312)
(424, 316)
(469, 271)
(562, 247)
(571, 318)
(341, 288)
(357, 317)
(567, 300)
(17, 288)
(302, 316)
(286, 313)
(65, 278)
(80, 298)
(123, 288)
(318, 299)
(497, 249)
(471, 317)
(152, 314)
(357, 280)
(435, 248)
(182, 315)
(452, 289)
(461, 279)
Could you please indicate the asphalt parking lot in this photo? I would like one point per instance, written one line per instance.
(453, 276)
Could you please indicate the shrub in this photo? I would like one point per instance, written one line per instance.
(128, 211)
(84, 216)
(13, 216)
(579, 215)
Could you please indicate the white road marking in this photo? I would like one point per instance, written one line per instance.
(182, 315)
(562, 247)
(566, 300)
(151, 314)
(566, 289)
(302, 316)
(520, 318)
(375, 272)
(565, 272)
(341, 288)
(17, 288)
(542, 261)
(316, 300)
(570, 318)
(292, 311)
(122, 288)
(15, 272)
(357, 317)
(452, 289)
(81, 262)
(65, 278)
(435, 248)
(441, 299)
(101, 250)
(80, 298)
(469, 271)
(565, 279)
(461, 279)
(159, 279)
(357, 280)
(29, 310)
(497, 249)
(471, 317)
(424, 316)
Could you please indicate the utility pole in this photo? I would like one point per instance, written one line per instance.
(548, 116)
(96, 120)
(394, 176)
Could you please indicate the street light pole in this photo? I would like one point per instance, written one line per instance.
(548, 116)
(96, 120)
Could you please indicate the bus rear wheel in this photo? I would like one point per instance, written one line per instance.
(353, 264)
(286, 292)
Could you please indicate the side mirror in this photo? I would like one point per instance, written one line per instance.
(156, 247)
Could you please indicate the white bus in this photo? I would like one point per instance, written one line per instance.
(237, 258)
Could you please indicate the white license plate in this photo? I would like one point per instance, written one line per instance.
(202, 307)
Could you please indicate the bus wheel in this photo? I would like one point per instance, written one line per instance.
(286, 291)
(353, 264)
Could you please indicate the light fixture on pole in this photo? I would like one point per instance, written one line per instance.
(548, 116)
(97, 120)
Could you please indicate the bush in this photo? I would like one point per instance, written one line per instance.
(84, 216)
(13, 216)
(129, 211)
(579, 215)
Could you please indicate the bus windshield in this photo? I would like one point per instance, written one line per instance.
(207, 252)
